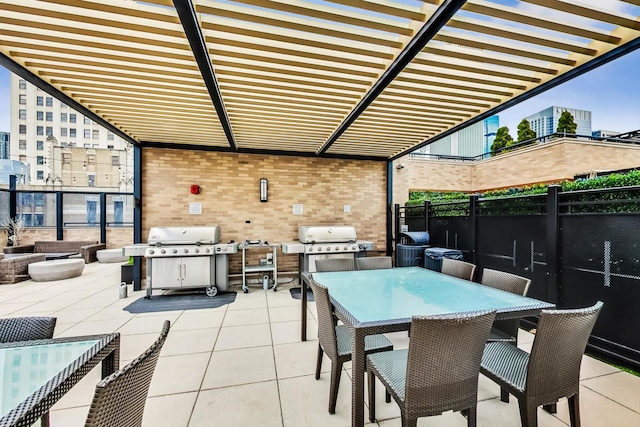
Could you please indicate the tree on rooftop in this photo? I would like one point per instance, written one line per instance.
(502, 139)
(566, 124)
(524, 131)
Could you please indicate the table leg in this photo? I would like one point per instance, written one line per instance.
(357, 368)
(303, 318)
(111, 363)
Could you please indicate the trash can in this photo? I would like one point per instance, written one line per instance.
(409, 255)
(414, 238)
(433, 257)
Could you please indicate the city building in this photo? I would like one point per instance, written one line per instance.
(471, 141)
(40, 122)
(605, 133)
(4, 145)
(545, 122)
(12, 167)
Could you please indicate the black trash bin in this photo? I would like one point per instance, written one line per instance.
(410, 249)
(433, 257)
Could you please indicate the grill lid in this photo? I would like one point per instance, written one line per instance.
(326, 234)
(184, 235)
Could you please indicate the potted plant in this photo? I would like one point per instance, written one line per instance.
(16, 230)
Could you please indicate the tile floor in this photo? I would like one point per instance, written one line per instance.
(243, 364)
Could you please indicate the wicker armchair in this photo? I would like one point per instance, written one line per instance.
(552, 370)
(27, 329)
(16, 269)
(335, 341)
(439, 371)
(334, 264)
(374, 263)
(119, 399)
(456, 268)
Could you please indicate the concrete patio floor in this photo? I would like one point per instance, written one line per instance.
(243, 364)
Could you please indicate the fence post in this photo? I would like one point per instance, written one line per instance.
(396, 209)
(13, 198)
(137, 214)
(473, 218)
(59, 216)
(103, 218)
(427, 205)
(554, 289)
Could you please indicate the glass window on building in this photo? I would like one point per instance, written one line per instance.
(22, 84)
(72, 133)
(87, 133)
(63, 105)
(22, 129)
(92, 183)
(95, 145)
(110, 136)
(26, 219)
(49, 130)
(40, 115)
(110, 147)
(91, 208)
(66, 158)
(40, 160)
(63, 131)
(22, 99)
(72, 118)
(38, 198)
(63, 117)
(115, 160)
(39, 174)
(22, 114)
(40, 100)
(23, 158)
(38, 220)
(39, 130)
(87, 145)
(96, 134)
(87, 120)
(22, 144)
(91, 159)
(49, 116)
(49, 101)
(39, 145)
(26, 199)
(118, 212)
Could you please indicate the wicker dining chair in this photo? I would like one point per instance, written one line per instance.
(335, 342)
(26, 328)
(551, 370)
(334, 264)
(15, 329)
(120, 398)
(374, 263)
(439, 370)
(457, 268)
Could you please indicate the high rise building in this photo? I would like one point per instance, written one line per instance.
(40, 122)
(4, 145)
(471, 141)
(545, 122)
(600, 133)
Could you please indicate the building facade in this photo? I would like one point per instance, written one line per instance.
(545, 122)
(600, 133)
(4, 145)
(471, 141)
(40, 122)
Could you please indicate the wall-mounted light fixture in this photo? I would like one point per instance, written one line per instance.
(263, 190)
(400, 166)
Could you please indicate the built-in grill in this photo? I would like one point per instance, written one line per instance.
(185, 257)
(320, 242)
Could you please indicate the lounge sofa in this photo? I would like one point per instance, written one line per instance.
(16, 269)
(86, 248)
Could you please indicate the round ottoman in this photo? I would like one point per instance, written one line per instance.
(57, 269)
(111, 255)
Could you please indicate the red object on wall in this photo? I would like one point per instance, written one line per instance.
(195, 189)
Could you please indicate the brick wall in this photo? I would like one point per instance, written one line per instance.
(230, 196)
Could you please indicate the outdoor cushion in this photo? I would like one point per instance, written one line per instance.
(111, 255)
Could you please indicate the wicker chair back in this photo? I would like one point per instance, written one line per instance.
(334, 264)
(456, 268)
(374, 263)
(26, 328)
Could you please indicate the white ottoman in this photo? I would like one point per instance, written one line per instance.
(57, 269)
(111, 255)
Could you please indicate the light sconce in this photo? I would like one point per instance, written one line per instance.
(400, 166)
(263, 190)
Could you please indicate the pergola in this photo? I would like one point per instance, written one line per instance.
(371, 79)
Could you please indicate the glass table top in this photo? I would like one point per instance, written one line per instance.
(400, 293)
(23, 370)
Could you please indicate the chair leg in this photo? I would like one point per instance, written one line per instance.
(528, 414)
(371, 386)
(504, 395)
(387, 396)
(44, 421)
(472, 416)
(551, 408)
(336, 371)
(574, 410)
(319, 361)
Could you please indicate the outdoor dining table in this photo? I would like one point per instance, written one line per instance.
(34, 375)
(383, 301)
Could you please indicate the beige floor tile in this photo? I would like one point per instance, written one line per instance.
(232, 337)
(178, 374)
(145, 325)
(90, 302)
(82, 393)
(289, 332)
(8, 308)
(46, 307)
(173, 410)
(591, 368)
(282, 298)
(254, 299)
(196, 319)
(68, 417)
(241, 406)
(73, 316)
(251, 316)
(597, 411)
(299, 359)
(622, 387)
(190, 342)
(91, 328)
(132, 346)
(525, 337)
(108, 313)
(242, 366)
(285, 314)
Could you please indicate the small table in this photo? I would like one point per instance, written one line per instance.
(257, 268)
(58, 255)
(36, 374)
(381, 301)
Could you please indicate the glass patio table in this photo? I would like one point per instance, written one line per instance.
(34, 375)
(381, 301)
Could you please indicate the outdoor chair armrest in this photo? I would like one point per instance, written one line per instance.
(89, 252)
(21, 249)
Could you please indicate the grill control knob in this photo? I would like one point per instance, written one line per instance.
(186, 251)
(207, 250)
(218, 249)
(310, 249)
(162, 251)
(175, 251)
(151, 251)
(196, 250)
(346, 248)
(354, 247)
(319, 249)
